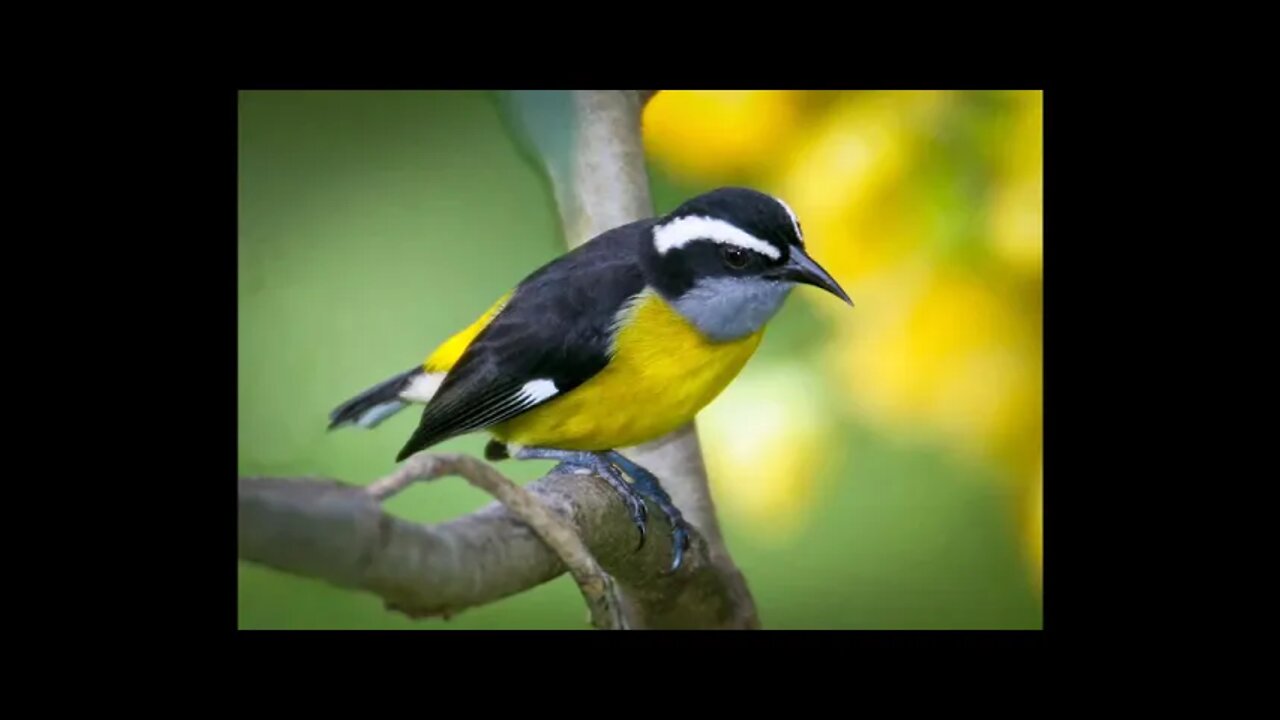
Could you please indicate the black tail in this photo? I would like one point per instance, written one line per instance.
(374, 405)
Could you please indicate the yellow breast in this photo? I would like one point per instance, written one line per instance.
(663, 371)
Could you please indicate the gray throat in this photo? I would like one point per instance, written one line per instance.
(728, 308)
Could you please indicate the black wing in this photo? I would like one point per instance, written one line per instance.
(555, 328)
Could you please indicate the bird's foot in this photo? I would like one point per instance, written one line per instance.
(599, 465)
(647, 485)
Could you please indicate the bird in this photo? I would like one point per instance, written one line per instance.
(614, 343)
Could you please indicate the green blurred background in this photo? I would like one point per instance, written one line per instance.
(874, 468)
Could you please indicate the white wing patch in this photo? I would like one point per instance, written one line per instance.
(681, 231)
(535, 391)
(795, 223)
(502, 407)
(423, 387)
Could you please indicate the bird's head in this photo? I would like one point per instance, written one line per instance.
(728, 258)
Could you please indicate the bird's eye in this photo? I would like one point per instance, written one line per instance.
(735, 258)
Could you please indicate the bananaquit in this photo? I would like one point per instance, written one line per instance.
(616, 343)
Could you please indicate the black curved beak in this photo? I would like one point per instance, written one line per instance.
(802, 269)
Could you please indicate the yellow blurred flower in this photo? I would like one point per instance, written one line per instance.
(707, 136)
(927, 207)
(764, 439)
(948, 356)
(941, 351)
(849, 182)
(1017, 212)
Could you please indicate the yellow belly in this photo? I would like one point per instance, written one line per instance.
(663, 372)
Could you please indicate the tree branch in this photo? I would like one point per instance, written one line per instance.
(339, 533)
(597, 588)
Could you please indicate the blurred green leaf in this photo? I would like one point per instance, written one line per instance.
(543, 123)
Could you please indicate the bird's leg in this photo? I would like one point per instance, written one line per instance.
(646, 483)
(601, 466)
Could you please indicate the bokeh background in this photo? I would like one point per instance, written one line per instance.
(874, 467)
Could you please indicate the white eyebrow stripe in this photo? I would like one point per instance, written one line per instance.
(795, 223)
(684, 230)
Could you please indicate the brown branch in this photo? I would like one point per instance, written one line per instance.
(339, 533)
(597, 588)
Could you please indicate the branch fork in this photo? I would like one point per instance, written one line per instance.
(605, 609)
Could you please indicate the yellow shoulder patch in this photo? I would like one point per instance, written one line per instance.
(443, 358)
